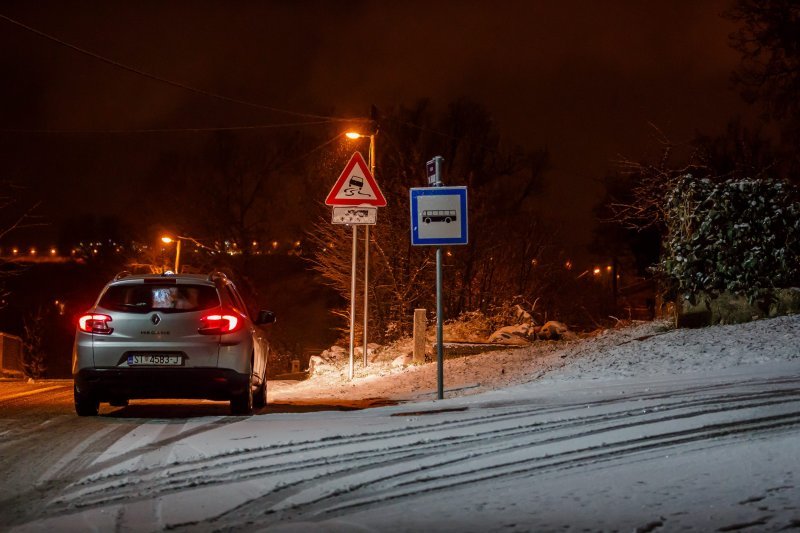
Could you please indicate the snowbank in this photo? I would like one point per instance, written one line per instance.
(644, 349)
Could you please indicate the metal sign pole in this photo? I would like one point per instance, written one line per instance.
(366, 289)
(435, 180)
(354, 197)
(439, 343)
(353, 300)
(438, 218)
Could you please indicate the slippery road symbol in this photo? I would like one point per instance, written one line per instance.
(355, 186)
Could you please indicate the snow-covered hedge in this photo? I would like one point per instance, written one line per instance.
(741, 236)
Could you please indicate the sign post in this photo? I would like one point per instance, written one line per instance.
(438, 217)
(354, 197)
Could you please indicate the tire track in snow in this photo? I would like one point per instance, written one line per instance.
(244, 460)
(328, 506)
(322, 497)
(65, 477)
(320, 469)
(293, 448)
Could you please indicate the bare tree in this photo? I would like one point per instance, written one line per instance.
(477, 275)
(768, 39)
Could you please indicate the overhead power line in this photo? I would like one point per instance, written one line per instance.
(172, 82)
(168, 130)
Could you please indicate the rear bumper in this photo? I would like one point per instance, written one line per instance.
(107, 384)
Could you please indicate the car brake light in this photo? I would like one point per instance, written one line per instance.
(95, 323)
(219, 323)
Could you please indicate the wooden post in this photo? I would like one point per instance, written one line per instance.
(420, 325)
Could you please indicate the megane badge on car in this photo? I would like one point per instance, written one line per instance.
(155, 319)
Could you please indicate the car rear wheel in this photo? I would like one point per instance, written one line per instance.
(242, 403)
(85, 403)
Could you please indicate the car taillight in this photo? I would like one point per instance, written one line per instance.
(95, 323)
(219, 324)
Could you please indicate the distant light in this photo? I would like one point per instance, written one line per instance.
(255, 243)
(353, 135)
(53, 251)
(166, 240)
(534, 262)
(596, 271)
(297, 243)
(274, 244)
(33, 251)
(568, 265)
(14, 251)
(449, 253)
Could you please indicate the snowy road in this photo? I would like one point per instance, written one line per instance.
(708, 451)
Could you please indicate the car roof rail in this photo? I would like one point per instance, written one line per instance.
(123, 274)
(217, 276)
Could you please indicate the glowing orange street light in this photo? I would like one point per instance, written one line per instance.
(596, 271)
(166, 239)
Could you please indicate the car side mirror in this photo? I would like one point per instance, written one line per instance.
(265, 317)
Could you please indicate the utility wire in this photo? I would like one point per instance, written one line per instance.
(172, 130)
(171, 82)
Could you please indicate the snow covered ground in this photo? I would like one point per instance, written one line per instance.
(643, 428)
(645, 349)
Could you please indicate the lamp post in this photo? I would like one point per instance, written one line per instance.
(356, 135)
(166, 239)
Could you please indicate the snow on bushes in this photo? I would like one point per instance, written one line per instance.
(741, 236)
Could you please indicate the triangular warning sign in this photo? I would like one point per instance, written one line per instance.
(356, 186)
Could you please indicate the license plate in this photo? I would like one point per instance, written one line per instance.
(155, 360)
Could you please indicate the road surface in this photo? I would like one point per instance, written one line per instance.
(711, 453)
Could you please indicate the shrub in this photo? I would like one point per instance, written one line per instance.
(741, 236)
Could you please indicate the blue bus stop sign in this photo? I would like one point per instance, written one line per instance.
(439, 216)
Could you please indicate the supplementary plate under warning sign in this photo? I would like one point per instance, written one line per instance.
(356, 186)
(358, 214)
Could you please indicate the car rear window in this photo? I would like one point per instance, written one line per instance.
(154, 297)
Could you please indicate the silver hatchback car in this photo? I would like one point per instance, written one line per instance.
(170, 336)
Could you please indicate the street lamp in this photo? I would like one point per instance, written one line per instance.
(355, 135)
(166, 239)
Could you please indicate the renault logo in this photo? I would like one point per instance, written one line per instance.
(155, 319)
